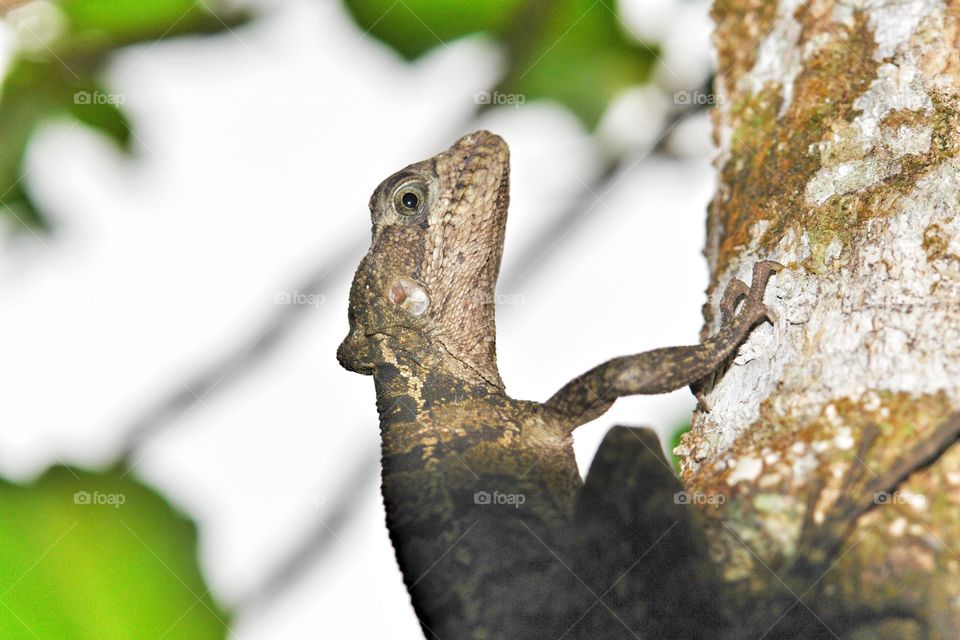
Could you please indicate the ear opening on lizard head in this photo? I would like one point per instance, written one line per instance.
(410, 296)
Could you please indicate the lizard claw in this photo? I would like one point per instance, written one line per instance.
(702, 400)
(753, 308)
(761, 273)
(736, 291)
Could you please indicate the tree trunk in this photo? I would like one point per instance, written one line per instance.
(824, 466)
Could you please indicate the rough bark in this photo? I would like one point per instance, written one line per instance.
(828, 437)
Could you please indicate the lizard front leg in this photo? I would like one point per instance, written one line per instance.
(736, 291)
(661, 370)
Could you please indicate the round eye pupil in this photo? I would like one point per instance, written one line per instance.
(409, 200)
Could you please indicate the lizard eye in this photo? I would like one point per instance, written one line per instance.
(408, 199)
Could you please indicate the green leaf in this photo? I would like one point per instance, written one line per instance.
(17, 205)
(99, 109)
(413, 27)
(576, 52)
(105, 24)
(36, 91)
(582, 58)
(88, 556)
(26, 100)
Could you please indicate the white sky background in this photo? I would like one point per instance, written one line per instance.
(257, 153)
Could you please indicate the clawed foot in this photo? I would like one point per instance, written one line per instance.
(736, 323)
(753, 308)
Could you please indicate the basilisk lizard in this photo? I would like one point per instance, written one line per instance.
(495, 533)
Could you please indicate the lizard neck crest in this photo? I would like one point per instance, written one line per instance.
(432, 267)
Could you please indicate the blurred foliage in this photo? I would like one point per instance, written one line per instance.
(675, 442)
(56, 72)
(90, 556)
(576, 52)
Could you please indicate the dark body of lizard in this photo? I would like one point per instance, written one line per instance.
(481, 490)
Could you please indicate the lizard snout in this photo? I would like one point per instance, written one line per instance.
(353, 354)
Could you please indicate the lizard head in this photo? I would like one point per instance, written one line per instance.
(427, 282)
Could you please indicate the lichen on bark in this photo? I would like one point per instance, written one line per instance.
(839, 156)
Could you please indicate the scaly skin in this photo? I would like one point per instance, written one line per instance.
(481, 489)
